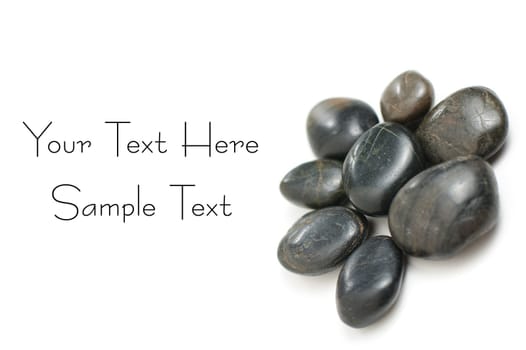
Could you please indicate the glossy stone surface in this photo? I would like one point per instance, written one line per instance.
(333, 126)
(444, 208)
(370, 281)
(321, 240)
(407, 98)
(382, 160)
(471, 121)
(315, 184)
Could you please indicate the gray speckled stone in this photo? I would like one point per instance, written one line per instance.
(370, 281)
(441, 210)
(407, 98)
(471, 121)
(335, 124)
(315, 184)
(383, 159)
(321, 240)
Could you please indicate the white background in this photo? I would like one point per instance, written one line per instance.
(254, 70)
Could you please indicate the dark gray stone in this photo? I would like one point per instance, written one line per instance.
(471, 121)
(315, 184)
(370, 281)
(407, 98)
(335, 124)
(441, 210)
(383, 159)
(321, 240)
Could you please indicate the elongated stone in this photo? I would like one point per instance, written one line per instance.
(333, 125)
(471, 121)
(315, 184)
(383, 159)
(370, 281)
(321, 240)
(441, 210)
(407, 98)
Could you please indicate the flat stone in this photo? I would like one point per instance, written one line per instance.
(441, 210)
(333, 126)
(383, 159)
(321, 240)
(370, 281)
(407, 98)
(471, 121)
(315, 184)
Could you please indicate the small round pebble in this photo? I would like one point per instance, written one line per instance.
(321, 240)
(407, 98)
(333, 126)
(316, 184)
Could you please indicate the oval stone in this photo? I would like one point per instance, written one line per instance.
(370, 281)
(383, 159)
(471, 121)
(441, 210)
(407, 98)
(333, 125)
(321, 240)
(315, 184)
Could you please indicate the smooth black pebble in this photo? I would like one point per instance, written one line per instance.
(383, 159)
(333, 125)
(370, 281)
(471, 121)
(441, 210)
(321, 240)
(315, 184)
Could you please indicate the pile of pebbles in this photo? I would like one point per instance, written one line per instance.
(424, 167)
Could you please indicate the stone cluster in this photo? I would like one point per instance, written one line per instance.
(424, 167)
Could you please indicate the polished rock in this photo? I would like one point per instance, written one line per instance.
(441, 210)
(321, 240)
(333, 126)
(407, 98)
(382, 160)
(471, 121)
(370, 281)
(315, 184)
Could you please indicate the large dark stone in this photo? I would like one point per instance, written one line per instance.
(444, 208)
(315, 184)
(335, 124)
(471, 121)
(383, 159)
(407, 98)
(370, 281)
(321, 240)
